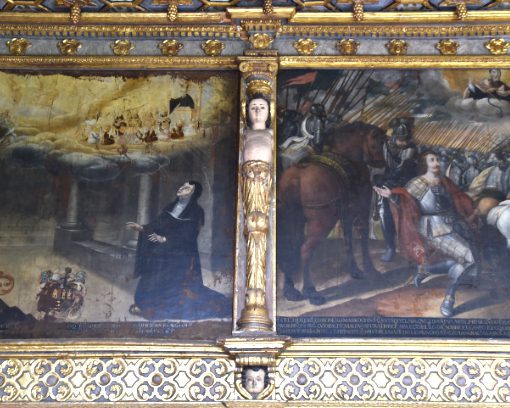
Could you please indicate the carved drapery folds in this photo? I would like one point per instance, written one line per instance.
(257, 185)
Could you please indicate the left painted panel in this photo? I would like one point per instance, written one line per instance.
(117, 215)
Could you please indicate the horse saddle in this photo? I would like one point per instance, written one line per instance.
(340, 165)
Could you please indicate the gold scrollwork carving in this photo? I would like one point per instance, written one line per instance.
(503, 393)
(169, 367)
(170, 47)
(41, 367)
(37, 393)
(146, 366)
(122, 47)
(69, 46)
(18, 46)
(10, 393)
(305, 46)
(501, 368)
(447, 47)
(65, 367)
(347, 46)
(397, 47)
(497, 46)
(13, 367)
(116, 391)
(117, 366)
(452, 378)
(213, 48)
(93, 367)
(63, 393)
(261, 41)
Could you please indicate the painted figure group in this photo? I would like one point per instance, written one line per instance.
(427, 217)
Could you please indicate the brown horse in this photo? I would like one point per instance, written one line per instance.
(314, 194)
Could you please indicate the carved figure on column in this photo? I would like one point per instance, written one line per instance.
(257, 162)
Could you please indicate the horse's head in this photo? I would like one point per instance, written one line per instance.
(358, 141)
(373, 146)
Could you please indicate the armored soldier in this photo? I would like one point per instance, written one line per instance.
(400, 156)
(433, 215)
(313, 127)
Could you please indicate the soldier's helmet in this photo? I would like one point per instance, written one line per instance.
(402, 128)
(317, 110)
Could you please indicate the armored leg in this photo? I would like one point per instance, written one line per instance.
(439, 268)
(465, 268)
(388, 227)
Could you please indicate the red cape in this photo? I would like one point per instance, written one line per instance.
(407, 216)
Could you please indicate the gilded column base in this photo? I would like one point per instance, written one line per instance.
(254, 316)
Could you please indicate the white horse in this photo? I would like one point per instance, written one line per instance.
(499, 217)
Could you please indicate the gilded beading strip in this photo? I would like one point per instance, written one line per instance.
(384, 62)
(400, 30)
(119, 30)
(231, 31)
(125, 62)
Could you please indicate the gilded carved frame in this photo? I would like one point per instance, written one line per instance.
(392, 372)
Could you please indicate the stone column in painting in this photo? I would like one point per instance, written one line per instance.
(257, 172)
(144, 201)
(72, 221)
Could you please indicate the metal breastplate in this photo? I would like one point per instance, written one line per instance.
(438, 215)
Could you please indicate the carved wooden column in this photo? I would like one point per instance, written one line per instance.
(257, 197)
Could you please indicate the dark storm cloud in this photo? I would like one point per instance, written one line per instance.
(84, 166)
(91, 167)
(28, 156)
